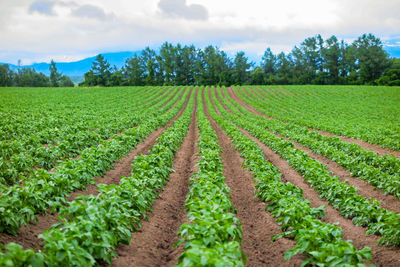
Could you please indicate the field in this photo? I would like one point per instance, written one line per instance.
(200, 176)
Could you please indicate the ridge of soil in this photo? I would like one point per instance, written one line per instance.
(153, 244)
(258, 225)
(381, 255)
(372, 147)
(28, 235)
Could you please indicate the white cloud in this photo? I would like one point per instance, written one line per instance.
(72, 27)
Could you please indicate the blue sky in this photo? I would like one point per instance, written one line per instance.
(69, 30)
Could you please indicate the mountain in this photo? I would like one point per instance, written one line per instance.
(393, 51)
(77, 69)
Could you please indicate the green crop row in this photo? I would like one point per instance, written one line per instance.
(93, 226)
(382, 172)
(18, 158)
(321, 242)
(19, 204)
(213, 235)
(359, 112)
(363, 211)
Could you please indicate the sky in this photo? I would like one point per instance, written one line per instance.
(70, 30)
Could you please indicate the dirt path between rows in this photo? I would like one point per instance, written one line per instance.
(28, 235)
(257, 224)
(381, 255)
(363, 144)
(153, 244)
(389, 202)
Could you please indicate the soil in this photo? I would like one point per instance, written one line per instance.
(381, 255)
(153, 244)
(258, 225)
(28, 235)
(389, 202)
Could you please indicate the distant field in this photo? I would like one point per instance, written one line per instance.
(256, 174)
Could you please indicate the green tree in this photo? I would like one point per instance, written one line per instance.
(134, 71)
(101, 70)
(168, 63)
(391, 76)
(240, 69)
(284, 69)
(149, 58)
(268, 63)
(257, 76)
(372, 59)
(65, 81)
(55, 76)
(332, 56)
(7, 76)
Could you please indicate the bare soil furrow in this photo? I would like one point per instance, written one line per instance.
(381, 255)
(153, 244)
(365, 189)
(257, 224)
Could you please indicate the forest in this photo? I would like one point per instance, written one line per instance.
(314, 61)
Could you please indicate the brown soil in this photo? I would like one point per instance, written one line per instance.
(28, 235)
(257, 224)
(365, 189)
(381, 255)
(153, 245)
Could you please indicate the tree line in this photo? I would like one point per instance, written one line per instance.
(28, 77)
(314, 61)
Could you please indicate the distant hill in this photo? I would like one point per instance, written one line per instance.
(77, 69)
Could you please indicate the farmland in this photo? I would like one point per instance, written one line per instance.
(200, 176)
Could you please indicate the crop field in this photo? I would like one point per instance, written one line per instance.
(200, 176)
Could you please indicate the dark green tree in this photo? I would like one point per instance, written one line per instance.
(372, 59)
(134, 71)
(240, 69)
(257, 76)
(65, 81)
(268, 64)
(101, 70)
(332, 56)
(55, 76)
(7, 76)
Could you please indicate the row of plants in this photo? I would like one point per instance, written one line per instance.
(39, 115)
(359, 112)
(383, 172)
(363, 211)
(94, 225)
(19, 204)
(24, 158)
(213, 235)
(320, 242)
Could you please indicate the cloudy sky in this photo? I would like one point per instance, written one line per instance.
(69, 30)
